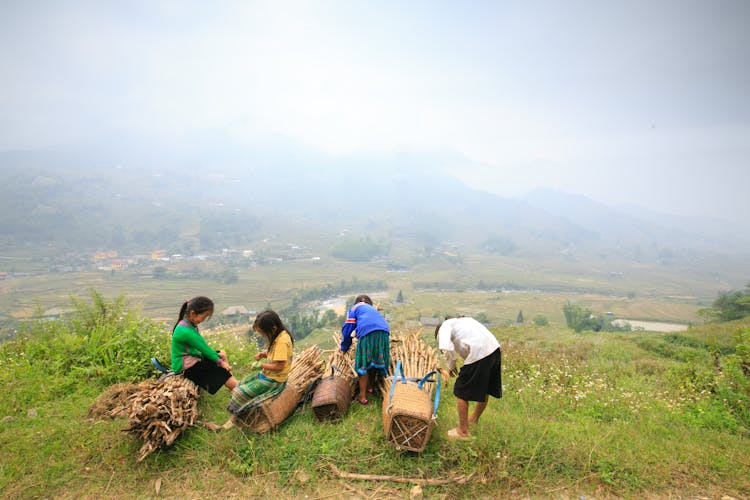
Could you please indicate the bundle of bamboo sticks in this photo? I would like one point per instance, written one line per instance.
(306, 367)
(417, 358)
(408, 414)
(160, 411)
(344, 361)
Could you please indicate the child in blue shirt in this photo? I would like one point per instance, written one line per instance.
(373, 343)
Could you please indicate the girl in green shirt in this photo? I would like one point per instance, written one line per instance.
(191, 354)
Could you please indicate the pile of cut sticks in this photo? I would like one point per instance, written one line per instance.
(160, 411)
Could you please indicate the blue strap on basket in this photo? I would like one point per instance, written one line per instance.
(437, 390)
(400, 369)
(420, 383)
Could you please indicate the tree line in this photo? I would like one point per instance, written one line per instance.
(581, 318)
(729, 306)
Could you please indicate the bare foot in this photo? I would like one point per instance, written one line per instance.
(456, 433)
(215, 427)
(210, 426)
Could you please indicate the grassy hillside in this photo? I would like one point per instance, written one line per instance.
(636, 414)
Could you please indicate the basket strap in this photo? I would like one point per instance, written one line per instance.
(334, 367)
(426, 378)
(437, 396)
(308, 390)
(410, 379)
(398, 369)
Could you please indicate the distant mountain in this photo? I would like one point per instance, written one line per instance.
(94, 200)
(212, 193)
(728, 235)
(630, 226)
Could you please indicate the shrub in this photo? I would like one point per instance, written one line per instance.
(717, 386)
(540, 320)
(101, 343)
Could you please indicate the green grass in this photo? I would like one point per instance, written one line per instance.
(590, 414)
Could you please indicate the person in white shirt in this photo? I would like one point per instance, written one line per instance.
(480, 375)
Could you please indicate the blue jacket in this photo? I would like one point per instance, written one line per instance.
(362, 318)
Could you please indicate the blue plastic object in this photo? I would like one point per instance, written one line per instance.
(158, 365)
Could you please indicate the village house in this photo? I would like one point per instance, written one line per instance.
(235, 311)
(428, 321)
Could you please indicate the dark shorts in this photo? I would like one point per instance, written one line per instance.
(208, 375)
(478, 380)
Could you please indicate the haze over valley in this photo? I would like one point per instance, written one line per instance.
(596, 150)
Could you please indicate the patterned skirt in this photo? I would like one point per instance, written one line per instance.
(373, 353)
(252, 392)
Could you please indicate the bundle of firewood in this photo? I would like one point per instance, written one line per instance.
(114, 401)
(160, 411)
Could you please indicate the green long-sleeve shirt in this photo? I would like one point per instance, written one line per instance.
(186, 340)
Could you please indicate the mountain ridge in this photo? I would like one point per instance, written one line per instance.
(90, 199)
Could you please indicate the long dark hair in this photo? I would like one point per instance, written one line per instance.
(198, 305)
(270, 323)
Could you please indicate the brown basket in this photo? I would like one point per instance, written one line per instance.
(272, 413)
(332, 397)
(409, 413)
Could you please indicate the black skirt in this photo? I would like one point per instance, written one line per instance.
(478, 380)
(208, 375)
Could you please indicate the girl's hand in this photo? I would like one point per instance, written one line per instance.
(223, 356)
(260, 355)
(223, 363)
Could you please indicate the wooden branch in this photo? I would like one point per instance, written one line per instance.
(399, 479)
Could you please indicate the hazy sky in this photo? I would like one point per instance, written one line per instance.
(631, 101)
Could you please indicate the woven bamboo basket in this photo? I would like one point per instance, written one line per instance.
(332, 397)
(272, 413)
(409, 413)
